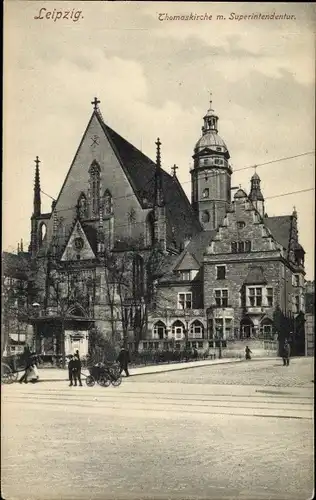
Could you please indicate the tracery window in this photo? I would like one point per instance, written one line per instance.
(94, 182)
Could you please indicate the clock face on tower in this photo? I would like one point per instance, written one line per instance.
(78, 242)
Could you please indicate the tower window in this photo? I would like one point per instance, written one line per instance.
(218, 149)
(206, 193)
(218, 161)
(241, 224)
(205, 216)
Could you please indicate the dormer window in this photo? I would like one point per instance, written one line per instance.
(185, 275)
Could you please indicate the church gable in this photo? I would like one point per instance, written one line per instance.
(78, 246)
(96, 171)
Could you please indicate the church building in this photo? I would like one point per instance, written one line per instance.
(124, 253)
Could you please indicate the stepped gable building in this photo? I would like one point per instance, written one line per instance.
(236, 276)
(222, 269)
(112, 196)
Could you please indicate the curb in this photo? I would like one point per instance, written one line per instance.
(176, 368)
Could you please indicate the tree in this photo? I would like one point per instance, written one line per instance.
(15, 291)
(129, 275)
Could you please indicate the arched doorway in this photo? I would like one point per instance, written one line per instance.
(246, 328)
(159, 330)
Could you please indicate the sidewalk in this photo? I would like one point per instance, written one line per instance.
(58, 374)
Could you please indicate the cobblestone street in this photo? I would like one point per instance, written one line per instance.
(270, 372)
(206, 434)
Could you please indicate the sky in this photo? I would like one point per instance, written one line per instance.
(153, 74)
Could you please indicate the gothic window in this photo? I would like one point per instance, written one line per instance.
(205, 216)
(178, 330)
(159, 330)
(94, 182)
(150, 229)
(42, 233)
(82, 206)
(108, 202)
(138, 276)
(196, 330)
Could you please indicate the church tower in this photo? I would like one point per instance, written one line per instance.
(36, 210)
(211, 175)
(256, 195)
(160, 236)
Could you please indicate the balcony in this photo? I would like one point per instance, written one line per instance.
(179, 313)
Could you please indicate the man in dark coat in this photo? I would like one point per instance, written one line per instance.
(77, 369)
(286, 353)
(28, 364)
(123, 359)
(71, 367)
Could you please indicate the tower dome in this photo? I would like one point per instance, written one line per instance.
(210, 138)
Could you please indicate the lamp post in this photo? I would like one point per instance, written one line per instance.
(35, 313)
(219, 336)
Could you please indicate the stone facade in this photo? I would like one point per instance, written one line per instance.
(124, 253)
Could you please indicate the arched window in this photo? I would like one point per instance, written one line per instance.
(266, 328)
(107, 203)
(246, 328)
(150, 231)
(82, 206)
(42, 233)
(94, 182)
(160, 330)
(205, 216)
(178, 330)
(197, 329)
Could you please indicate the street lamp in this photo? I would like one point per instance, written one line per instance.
(219, 337)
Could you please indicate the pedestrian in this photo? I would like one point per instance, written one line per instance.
(248, 352)
(71, 366)
(286, 353)
(28, 366)
(77, 368)
(123, 360)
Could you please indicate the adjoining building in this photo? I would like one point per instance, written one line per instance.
(15, 328)
(310, 318)
(123, 252)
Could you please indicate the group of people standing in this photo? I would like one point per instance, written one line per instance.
(74, 366)
(74, 369)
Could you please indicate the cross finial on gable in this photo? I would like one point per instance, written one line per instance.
(95, 103)
(174, 168)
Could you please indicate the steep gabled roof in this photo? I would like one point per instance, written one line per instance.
(188, 262)
(280, 227)
(199, 243)
(140, 171)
